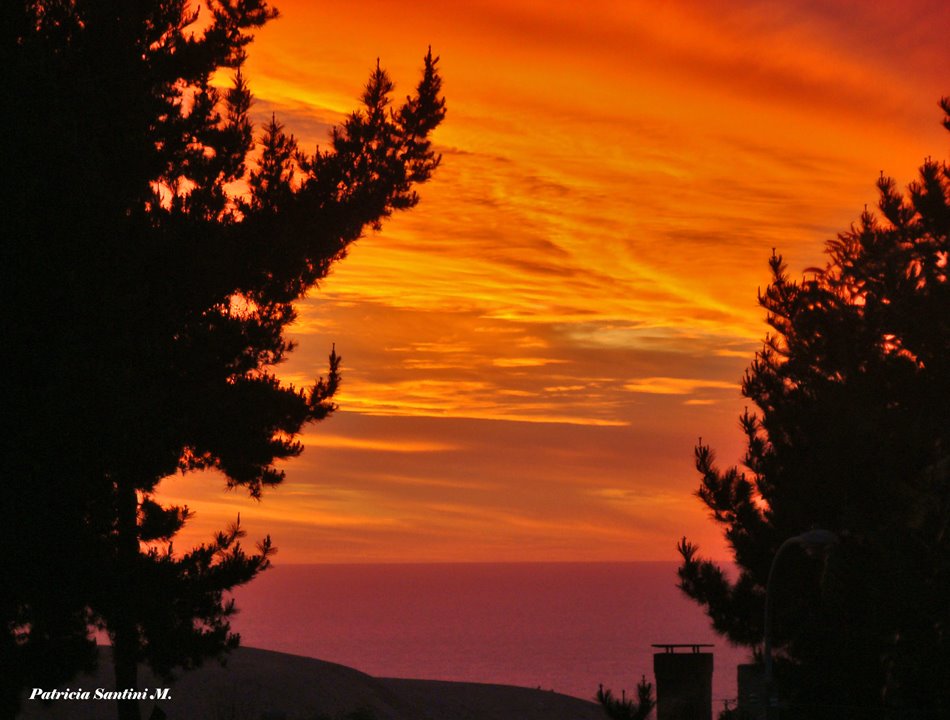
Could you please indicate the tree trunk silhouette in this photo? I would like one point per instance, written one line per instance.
(125, 641)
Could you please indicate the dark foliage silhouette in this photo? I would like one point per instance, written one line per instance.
(624, 708)
(151, 261)
(851, 434)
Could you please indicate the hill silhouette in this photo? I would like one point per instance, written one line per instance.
(258, 684)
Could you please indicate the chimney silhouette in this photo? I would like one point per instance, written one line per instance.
(683, 681)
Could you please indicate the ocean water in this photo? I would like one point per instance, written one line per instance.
(562, 626)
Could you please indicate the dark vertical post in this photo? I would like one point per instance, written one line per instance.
(751, 685)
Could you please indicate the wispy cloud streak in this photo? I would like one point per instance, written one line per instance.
(531, 353)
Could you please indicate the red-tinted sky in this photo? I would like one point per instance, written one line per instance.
(531, 354)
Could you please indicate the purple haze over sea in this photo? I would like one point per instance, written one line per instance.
(561, 626)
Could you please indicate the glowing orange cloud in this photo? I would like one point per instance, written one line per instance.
(530, 355)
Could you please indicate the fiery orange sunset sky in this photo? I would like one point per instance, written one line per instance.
(531, 354)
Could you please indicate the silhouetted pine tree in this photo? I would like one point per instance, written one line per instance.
(624, 708)
(149, 275)
(851, 434)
